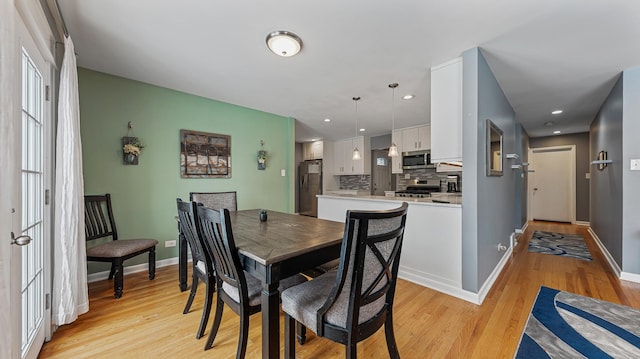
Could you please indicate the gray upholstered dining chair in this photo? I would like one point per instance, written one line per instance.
(352, 303)
(202, 262)
(238, 289)
(216, 200)
(99, 225)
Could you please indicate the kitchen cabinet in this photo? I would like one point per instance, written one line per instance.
(343, 162)
(312, 150)
(446, 112)
(396, 162)
(416, 138)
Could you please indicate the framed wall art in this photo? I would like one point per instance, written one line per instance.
(204, 155)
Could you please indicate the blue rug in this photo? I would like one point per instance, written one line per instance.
(559, 244)
(566, 325)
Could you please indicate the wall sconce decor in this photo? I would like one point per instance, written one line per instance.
(131, 147)
(262, 157)
(602, 160)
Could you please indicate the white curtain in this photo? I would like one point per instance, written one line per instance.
(70, 294)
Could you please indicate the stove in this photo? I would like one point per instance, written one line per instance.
(420, 190)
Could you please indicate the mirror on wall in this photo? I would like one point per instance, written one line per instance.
(494, 149)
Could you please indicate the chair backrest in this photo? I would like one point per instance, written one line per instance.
(187, 214)
(216, 200)
(98, 217)
(369, 259)
(216, 232)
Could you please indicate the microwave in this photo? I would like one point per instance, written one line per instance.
(415, 160)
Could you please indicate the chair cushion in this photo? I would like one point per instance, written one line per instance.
(254, 287)
(120, 248)
(303, 301)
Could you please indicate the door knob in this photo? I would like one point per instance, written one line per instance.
(20, 240)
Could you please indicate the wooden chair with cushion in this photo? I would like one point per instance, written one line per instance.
(352, 303)
(216, 200)
(99, 223)
(202, 268)
(238, 289)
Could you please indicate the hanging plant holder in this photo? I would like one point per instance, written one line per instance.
(129, 158)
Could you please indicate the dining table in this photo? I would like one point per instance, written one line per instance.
(281, 246)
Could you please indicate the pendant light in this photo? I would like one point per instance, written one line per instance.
(393, 149)
(356, 152)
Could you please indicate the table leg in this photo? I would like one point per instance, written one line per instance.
(182, 262)
(270, 321)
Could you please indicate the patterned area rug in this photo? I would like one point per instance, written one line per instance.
(560, 244)
(566, 325)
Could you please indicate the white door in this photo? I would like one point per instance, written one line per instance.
(552, 185)
(29, 261)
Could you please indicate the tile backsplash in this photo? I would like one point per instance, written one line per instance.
(360, 182)
(424, 174)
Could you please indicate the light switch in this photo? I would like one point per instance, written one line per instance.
(635, 165)
(407, 176)
(587, 175)
(282, 172)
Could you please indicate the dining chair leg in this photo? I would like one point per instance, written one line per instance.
(118, 283)
(302, 333)
(192, 293)
(351, 349)
(216, 324)
(112, 271)
(244, 333)
(208, 299)
(391, 340)
(152, 263)
(289, 340)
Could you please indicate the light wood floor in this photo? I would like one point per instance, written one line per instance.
(147, 322)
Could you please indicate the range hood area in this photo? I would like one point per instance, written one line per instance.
(449, 167)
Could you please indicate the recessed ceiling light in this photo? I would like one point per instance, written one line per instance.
(556, 112)
(408, 97)
(315, 139)
(556, 132)
(548, 123)
(362, 130)
(327, 120)
(284, 43)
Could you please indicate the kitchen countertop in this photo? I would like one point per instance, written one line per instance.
(455, 200)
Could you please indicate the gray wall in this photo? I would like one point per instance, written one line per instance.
(630, 179)
(488, 202)
(606, 185)
(583, 166)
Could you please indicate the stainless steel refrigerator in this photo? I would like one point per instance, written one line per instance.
(309, 185)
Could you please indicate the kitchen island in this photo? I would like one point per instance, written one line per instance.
(432, 249)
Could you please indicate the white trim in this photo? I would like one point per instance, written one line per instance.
(631, 277)
(94, 277)
(583, 223)
(33, 17)
(450, 287)
(612, 263)
(572, 179)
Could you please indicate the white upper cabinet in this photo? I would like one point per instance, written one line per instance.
(312, 150)
(343, 162)
(416, 138)
(446, 111)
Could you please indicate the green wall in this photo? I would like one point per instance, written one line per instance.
(144, 196)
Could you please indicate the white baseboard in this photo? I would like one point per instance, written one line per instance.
(631, 277)
(582, 223)
(94, 277)
(486, 287)
(453, 288)
(612, 263)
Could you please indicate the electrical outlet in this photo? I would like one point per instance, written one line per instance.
(168, 244)
(407, 176)
(635, 165)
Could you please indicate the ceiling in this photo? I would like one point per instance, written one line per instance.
(546, 54)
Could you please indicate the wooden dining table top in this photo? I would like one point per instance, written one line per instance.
(282, 236)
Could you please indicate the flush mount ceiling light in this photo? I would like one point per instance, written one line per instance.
(556, 132)
(284, 43)
(556, 112)
(393, 149)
